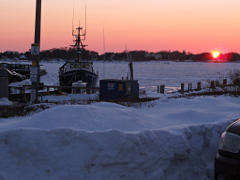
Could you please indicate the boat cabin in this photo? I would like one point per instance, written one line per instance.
(73, 66)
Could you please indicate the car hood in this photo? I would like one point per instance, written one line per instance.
(234, 128)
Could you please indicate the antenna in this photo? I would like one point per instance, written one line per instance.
(73, 22)
(104, 45)
(85, 20)
(126, 51)
(85, 28)
(78, 35)
(104, 52)
(79, 18)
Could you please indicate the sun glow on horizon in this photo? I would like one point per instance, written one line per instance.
(123, 22)
(215, 54)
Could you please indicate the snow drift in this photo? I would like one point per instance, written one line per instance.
(5, 102)
(174, 139)
(71, 154)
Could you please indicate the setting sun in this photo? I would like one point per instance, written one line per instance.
(215, 54)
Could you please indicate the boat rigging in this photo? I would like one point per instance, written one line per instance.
(80, 69)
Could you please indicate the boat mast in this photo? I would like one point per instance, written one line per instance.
(79, 38)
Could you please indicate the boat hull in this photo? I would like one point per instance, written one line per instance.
(67, 78)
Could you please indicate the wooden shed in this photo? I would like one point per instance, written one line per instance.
(113, 89)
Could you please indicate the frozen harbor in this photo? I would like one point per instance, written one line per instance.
(150, 74)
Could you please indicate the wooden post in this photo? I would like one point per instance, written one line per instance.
(224, 82)
(158, 89)
(199, 86)
(48, 90)
(212, 86)
(24, 94)
(21, 93)
(182, 88)
(162, 89)
(189, 86)
(21, 90)
(4, 88)
(59, 90)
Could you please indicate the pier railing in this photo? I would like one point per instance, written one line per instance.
(212, 85)
(22, 94)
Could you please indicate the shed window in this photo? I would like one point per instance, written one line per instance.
(120, 87)
(111, 86)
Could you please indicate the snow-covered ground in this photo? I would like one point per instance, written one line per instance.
(5, 102)
(166, 140)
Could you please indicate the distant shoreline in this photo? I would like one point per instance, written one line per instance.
(136, 56)
(123, 61)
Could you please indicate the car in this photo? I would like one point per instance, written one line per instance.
(227, 160)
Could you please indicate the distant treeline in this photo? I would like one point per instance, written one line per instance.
(68, 53)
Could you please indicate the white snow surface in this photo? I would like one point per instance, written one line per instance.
(166, 140)
(69, 98)
(5, 102)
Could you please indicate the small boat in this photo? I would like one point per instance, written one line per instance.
(79, 69)
(22, 69)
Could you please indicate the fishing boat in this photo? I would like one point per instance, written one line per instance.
(78, 69)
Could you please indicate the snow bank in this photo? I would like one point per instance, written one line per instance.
(70, 98)
(174, 139)
(72, 154)
(5, 102)
(108, 116)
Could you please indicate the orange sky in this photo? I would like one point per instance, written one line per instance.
(153, 25)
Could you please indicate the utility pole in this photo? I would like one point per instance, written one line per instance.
(35, 53)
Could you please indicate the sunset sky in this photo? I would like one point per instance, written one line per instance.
(153, 25)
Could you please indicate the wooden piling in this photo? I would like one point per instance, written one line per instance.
(189, 86)
(4, 92)
(158, 89)
(162, 89)
(224, 82)
(199, 86)
(59, 90)
(24, 94)
(48, 90)
(212, 86)
(182, 88)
